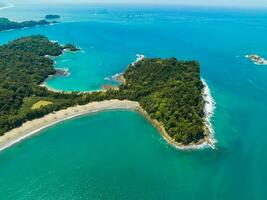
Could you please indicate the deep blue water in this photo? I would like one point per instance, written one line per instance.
(126, 158)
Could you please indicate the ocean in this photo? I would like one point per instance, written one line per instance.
(118, 154)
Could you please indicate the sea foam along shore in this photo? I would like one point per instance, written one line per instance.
(208, 141)
(209, 108)
(139, 58)
(32, 127)
(117, 76)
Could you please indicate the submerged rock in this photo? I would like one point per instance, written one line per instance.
(62, 72)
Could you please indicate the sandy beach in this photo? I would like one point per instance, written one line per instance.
(31, 127)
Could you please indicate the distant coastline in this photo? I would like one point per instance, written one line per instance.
(8, 25)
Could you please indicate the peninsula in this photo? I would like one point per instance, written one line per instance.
(168, 92)
(6, 24)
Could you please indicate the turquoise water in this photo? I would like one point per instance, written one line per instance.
(118, 154)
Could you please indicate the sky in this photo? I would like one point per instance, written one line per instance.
(245, 3)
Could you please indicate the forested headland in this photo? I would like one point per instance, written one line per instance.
(170, 91)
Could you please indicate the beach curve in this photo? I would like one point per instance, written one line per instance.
(32, 127)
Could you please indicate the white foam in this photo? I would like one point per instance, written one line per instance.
(139, 58)
(107, 79)
(208, 112)
(54, 41)
(113, 78)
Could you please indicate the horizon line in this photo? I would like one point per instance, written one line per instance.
(145, 3)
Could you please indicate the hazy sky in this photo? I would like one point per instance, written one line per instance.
(257, 3)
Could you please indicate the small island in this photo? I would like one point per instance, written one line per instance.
(257, 59)
(167, 92)
(6, 24)
(51, 17)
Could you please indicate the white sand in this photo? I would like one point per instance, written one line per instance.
(31, 127)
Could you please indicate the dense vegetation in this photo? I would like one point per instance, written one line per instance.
(6, 24)
(23, 67)
(169, 90)
(49, 17)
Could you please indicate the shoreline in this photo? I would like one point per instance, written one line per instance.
(208, 141)
(209, 109)
(32, 127)
(116, 77)
(45, 85)
(53, 76)
(35, 126)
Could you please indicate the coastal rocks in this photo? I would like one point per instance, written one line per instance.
(62, 72)
(115, 78)
(70, 47)
(257, 59)
(59, 72)
(119, 76)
